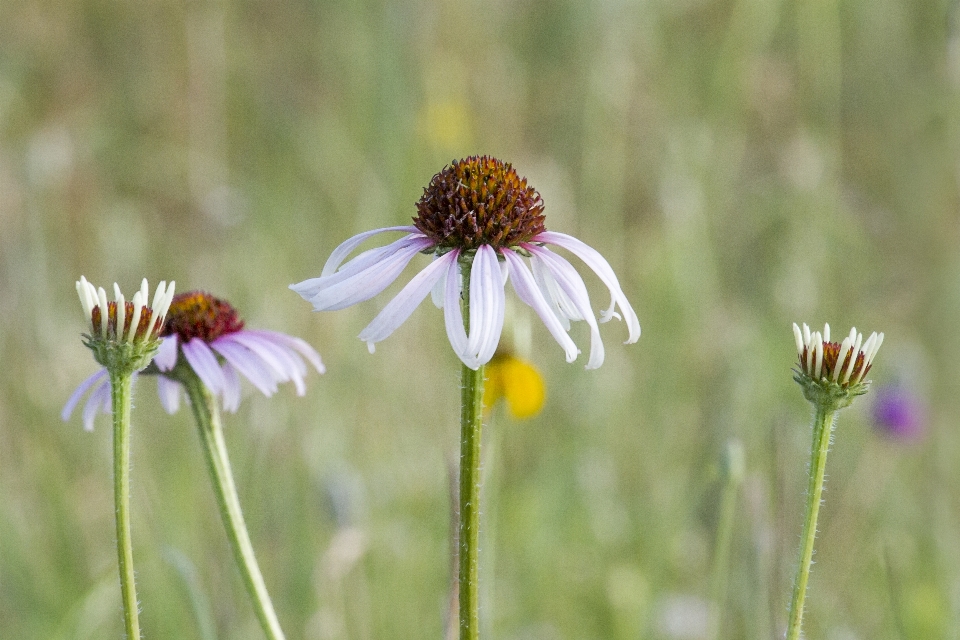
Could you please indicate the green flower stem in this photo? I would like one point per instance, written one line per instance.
(206, 412)
(471, 423)
(471, 419)
(120, 388)
(823, 422)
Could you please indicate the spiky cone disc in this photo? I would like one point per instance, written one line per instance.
(479, 200)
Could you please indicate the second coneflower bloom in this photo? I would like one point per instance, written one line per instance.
(212, 339)
(476, 212)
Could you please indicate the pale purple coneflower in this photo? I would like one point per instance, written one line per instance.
(480, 214)
(212, 339)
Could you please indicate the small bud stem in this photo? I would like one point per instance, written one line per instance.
(823, 422)
(207, 414)
(471, 422)
(120, 390)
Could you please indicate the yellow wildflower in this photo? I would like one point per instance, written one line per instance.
(518, 382)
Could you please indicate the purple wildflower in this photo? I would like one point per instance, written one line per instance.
(898, 413)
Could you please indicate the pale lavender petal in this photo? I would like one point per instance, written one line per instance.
(559, 302)
(310, 288)
(268, 352)
(529, 293)
(247, 363)
(367, 283)
(169, 392)
(486, 304)
(99, 400)
(571, 283)
(346, 248)
(438, 292)
(400, 308)
(204, 364)
(78, 393)
(166, 357)
(300, 346)
(231, 388)
(592, 258)
(452, 315)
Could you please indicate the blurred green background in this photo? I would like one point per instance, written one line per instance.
(743, 164)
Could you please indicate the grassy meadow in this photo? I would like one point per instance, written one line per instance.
(742, 164)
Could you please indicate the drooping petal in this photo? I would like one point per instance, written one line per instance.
(205, 365)
(166, 357)
(231, 388)
(247, 363)
(311, 287)
(486, 305)
(169, 392)
(296, 344)
(452, 315)
(592, 258)
(366, 283)
(572, 285)
(556, 299)
(84, 386)
(347, 246)
(272, 356)
(99, 400)
(530, 294)
(409, 298)
(438, 292)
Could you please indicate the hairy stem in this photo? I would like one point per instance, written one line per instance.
(206, 412)
(120, 389)
(823, 422)
(471, 423)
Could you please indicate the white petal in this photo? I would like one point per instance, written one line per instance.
(854, 352)
(571, 283)
(799, 338)
(158, 295)
(558, 301)
(121, 315)
(529, 293)
(452, 314)
(104, 311)
(400, 308)
(86, 301)
(486, 304)
(818, 363)
(826, 332)
(844, 348)
(592, 258)
(806, 335)
(438, 292)
(346, 248)
(135, 318)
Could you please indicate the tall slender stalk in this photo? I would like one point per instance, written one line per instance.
(471, 423)
(823, 422)
(207, 413)
(120, 389)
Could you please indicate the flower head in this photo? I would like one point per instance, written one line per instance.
(477, 216)
(124, 335)
(834, 372)
(210, 336)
